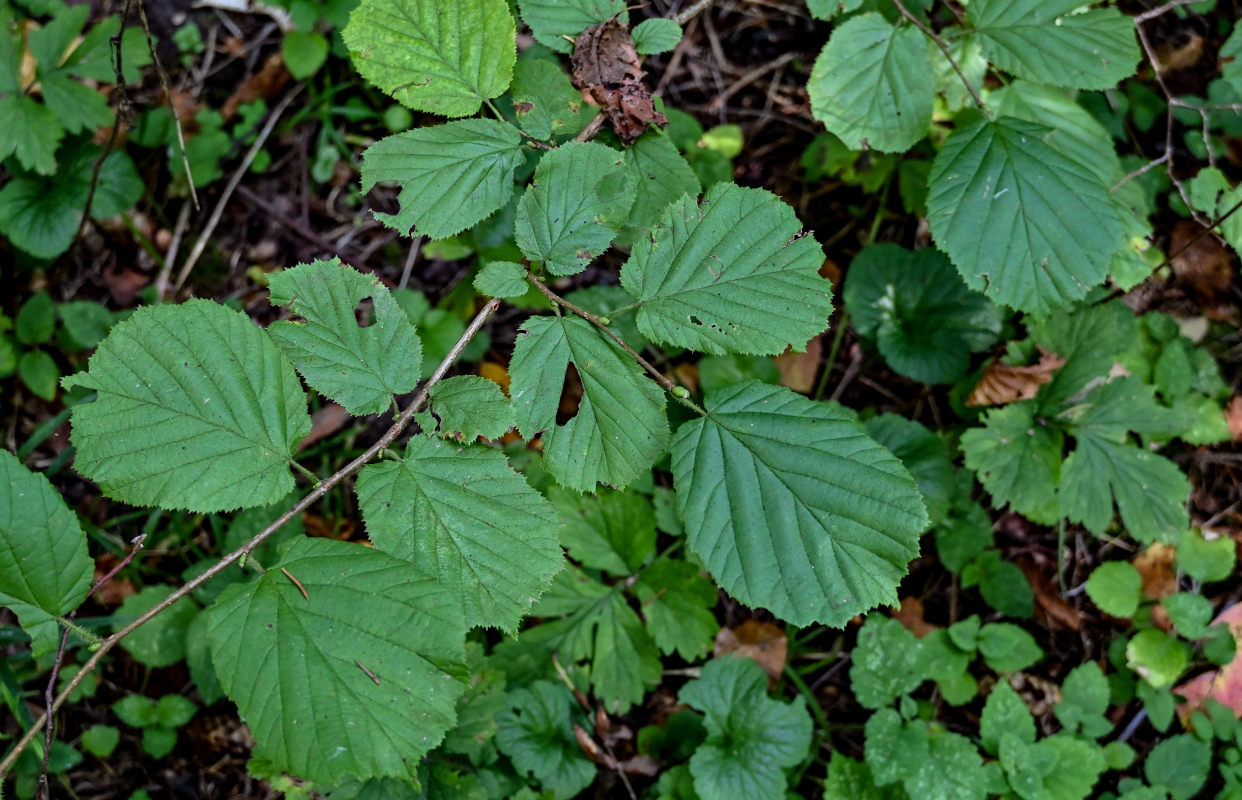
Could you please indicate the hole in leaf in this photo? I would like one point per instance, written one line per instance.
(571, 396)
(363, 312)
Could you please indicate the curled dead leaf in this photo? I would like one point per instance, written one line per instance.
(1002, 383)
(609, 73)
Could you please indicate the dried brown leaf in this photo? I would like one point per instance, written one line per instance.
(1002, 383)
(798, 370)
(911, 616)
(1233, 417)
(609, 73)
(762, 642)
(1224, 684)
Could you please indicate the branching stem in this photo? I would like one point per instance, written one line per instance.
(669, 386)
(944, 48)
(398, 425)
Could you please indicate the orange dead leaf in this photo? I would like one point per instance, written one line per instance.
(830, 271)
(1048, 597)
(1233, 417)
(910, 615)
(762, 642)
(1203, 267)
(1224, 684)
(1155, 566)
(687, 375)
(263, 85)
(497, 373)
(798, 370)
(1003, 384)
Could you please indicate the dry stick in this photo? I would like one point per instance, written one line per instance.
(690, 13)
(349, 469)
(944, 48)
(121, 112)
(216, 214)
(41, 790)
(668, 385)
(159, 70)
(1161, 10)
(750, 77)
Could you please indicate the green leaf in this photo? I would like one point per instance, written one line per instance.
(1017, 460)
(1150, 490)
(304, 53)
(656, 35)
(1005, 713)
(1056, 768)
(620, 428)
(579, 200)
(966, 530)
(160, 642)
(873, 85)
(1075, 132)
(661, 176)
(174, 710)
(135, 710)
(441, 56)
(545, 103)
(1003, 585)
(100, 740)
(1230, 59)
(925, 322)
(536, 732)
(751, 738)
(36, 319)
(1206, 558)
(1041, 41)
(923, 453)
(158, 742)
(39, 372)
(469, 406)
(1084, 701)
(32, 131)
(952, 770)
(792, 507)
(552, 20)
(86, 322)
(45, 571)
(198, 660)
(452, 176)
(610, 530)
(1212, 193)
(886, 663)
(851, 780)
(1025, 224)
(1115, 586)
(894, 749)
(467, 519)
(359, 367)
(677, 601)
(1090, 339)
(601, 630)
(1158, 657)
(1180, 764)
(1007, 648)
(343, 681)
(505, 279)
(197, 409)
(732, 274)
(41, 217)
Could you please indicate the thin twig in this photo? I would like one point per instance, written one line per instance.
(944, 48)
(214, 220)
(122, 115)
(159, 70)
(410, 259)
(690, 13)
(661, 379)
(41, 790)
(399, 424)
(1162, 10)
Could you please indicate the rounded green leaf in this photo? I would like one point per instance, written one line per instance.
(344, 679)
(1114, 587)
(39, 372)
(36, 319)
(468, 519)
(502, 279)
(553, 20)
(100, 740)
(1180, 764)
(45, 571)
(196, 409)
(304, 53)
(792, 507)
(359, 367)
(924, 320)
(1042, 41)
(452, 176)
(1024, 223)
(160, 642)
(656, 35)
(580, 198)
(545, 103)
(442, 56)
(873, 85)
(1160, 659)
(732, 274)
